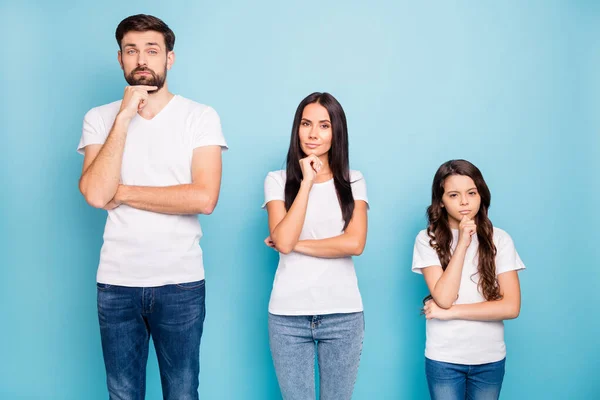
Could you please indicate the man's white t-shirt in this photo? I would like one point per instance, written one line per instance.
(306, 285)
(461, 341)
(143, 248)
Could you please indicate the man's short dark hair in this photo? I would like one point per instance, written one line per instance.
(143, 23)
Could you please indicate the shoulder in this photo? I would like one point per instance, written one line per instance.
(102, 117)
(502, 239)
(423, 237)
(194, 108)
(104, 111)
(277, 176)
(356, 176)
(501, 235)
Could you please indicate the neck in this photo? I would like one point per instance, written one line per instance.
(156, 102)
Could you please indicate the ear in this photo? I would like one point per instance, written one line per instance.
(170, 59)
(120, 58)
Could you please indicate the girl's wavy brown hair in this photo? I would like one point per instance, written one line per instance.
(440, 233)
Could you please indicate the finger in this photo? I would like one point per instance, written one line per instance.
(145, 88)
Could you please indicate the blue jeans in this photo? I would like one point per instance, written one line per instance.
(173, 315)
(338, 339)
(449, 381)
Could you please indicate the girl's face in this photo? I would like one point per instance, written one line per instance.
(460, 198)
(315, 131)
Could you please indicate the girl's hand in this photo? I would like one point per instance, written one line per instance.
(432, 311)
(466, 229)
(269, 242)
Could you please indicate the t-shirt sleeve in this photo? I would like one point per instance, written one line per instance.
(206, 130)
(274, 188)
(94, 131)
(359, 187)
(423, 254)
(507, 258)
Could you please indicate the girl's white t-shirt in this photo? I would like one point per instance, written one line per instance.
(306, 285)
(461, 341)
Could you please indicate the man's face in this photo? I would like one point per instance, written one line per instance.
(145, 59)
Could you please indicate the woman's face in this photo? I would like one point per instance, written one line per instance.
(315, 132)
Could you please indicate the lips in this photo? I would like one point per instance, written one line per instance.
(311, 145)
(465, 212)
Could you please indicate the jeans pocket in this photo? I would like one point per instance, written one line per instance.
(103, 286)
(190, 285)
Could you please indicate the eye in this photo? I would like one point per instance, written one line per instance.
(452, 195)
(304, 123)
(324, 126)
(131, 51)
(153, 52)
(473, 193)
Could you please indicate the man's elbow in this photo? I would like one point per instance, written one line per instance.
(207, 206)
(93, 199)
(284, 249)
(207, 210)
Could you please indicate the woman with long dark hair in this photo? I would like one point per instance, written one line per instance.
(470, 268)
(317, 221)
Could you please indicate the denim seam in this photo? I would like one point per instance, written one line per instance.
(198, 286)
(152, 302)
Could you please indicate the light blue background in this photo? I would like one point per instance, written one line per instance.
(512, 87)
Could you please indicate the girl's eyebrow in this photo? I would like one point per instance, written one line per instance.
(457, 191)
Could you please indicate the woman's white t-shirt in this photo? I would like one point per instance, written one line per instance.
(307, 285)
(461, 341)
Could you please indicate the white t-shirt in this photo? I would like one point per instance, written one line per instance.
(460, 341)
(143, 248)
(306, 285)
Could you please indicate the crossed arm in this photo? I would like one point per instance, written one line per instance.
(101, 187)
(508, 307)
(285, 228)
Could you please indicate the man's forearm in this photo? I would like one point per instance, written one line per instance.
(100, 180)
(179, 199)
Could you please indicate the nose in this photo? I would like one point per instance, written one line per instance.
(464, 200)
(141, 59)
(313, 133)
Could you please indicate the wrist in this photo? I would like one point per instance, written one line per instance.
(307, 182)
(452, 312)
(461, 246)
(123, 119)
(121, 194)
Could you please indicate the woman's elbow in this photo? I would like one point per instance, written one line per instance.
(357, 247)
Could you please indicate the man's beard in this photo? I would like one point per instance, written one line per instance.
(153, 80)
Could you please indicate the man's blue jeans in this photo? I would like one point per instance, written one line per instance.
(173, 315)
